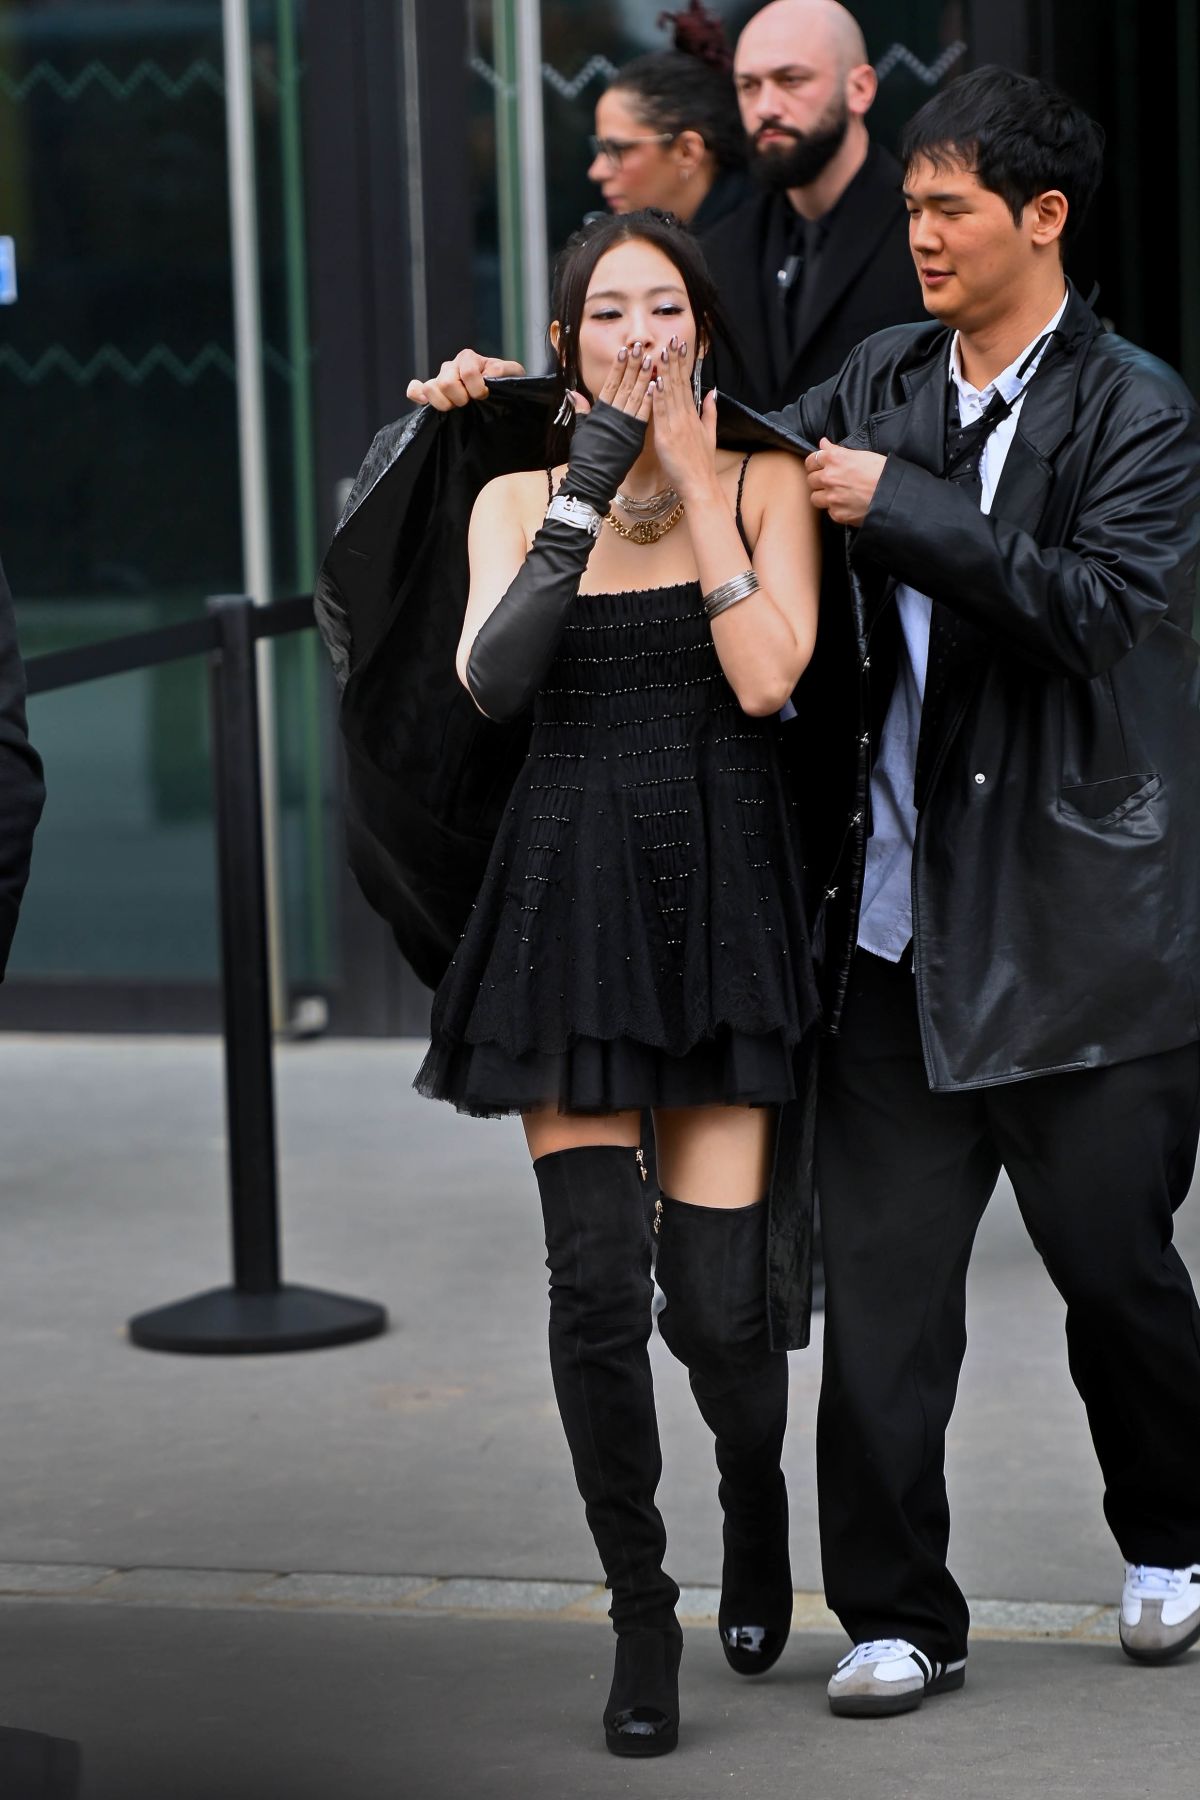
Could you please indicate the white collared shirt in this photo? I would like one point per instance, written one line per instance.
(885, 922)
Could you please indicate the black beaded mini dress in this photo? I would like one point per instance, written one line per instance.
(639, 936)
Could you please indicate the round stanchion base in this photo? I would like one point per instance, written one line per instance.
(227, 1322)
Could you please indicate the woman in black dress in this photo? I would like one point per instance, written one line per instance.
(639, 938)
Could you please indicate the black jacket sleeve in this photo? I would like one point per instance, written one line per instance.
(22, 792)
(515, 645)
(812, 415)
(1072, 609)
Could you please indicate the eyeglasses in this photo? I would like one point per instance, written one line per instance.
(614, 148)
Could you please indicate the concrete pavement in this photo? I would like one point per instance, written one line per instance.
(286, 1576)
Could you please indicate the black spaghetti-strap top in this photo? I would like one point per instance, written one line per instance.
(639, 937)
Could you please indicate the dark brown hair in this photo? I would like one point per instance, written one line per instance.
(689, 88)
(577, 263)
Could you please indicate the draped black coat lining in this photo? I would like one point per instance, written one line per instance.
(22, 790)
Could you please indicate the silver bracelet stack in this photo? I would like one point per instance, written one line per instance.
(739, 587)
(578, 513)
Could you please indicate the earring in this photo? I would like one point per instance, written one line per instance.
(696, 393)
(566, 411)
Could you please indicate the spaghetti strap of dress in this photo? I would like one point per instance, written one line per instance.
(549, 484)
(737, 516)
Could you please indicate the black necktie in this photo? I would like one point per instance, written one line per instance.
(961, 465)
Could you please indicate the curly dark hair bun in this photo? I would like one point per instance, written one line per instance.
(689, 88)
(699, 33)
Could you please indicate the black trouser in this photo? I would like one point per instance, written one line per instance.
(1099, 1160)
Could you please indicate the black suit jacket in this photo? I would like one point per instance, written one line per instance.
(864, 280)
(21, 790)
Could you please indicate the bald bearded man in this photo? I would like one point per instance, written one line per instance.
(819, 259)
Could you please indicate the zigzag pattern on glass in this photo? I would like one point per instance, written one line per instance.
(123, 87)
(108, 360)
(896, 56)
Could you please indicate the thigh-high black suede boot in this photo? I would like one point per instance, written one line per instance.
(598, 1254)
(712, 1268)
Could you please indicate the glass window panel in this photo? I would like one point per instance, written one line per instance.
(122, 509)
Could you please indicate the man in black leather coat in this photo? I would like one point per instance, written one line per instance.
(21, 791)
(1012, 925)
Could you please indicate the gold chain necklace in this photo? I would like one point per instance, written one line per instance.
(646, 531)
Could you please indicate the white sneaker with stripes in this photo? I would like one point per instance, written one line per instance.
(887, 1676)
(1160, 1612)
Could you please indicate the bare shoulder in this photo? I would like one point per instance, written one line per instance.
(776, 494)
(765, 470)
(775, 473)
(514, 490)
(519, 497)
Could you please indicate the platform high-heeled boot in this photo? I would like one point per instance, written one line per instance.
(598, 1254)
(712, 1269)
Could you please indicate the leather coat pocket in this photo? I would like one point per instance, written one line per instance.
(1108, 802)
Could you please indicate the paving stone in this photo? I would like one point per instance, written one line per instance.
(697, 1602)
(50, 1578)
(466, 1595)
(1028, 1618)
(188, 1587)
(810, 1613)
(1101, 1623)
(598, 1602)
(342, 1590)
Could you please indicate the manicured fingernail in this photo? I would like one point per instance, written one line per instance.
(622, 354)
(683, 348)
(658, 382)
(637, 348)
(674, 342)
(665, 354)
(647, 362)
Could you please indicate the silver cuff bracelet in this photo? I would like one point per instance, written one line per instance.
(575, 512)
(739, 587)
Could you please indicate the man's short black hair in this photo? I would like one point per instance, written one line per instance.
(1017, 135)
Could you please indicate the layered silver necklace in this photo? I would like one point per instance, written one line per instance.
(645, 521)
(652, 508)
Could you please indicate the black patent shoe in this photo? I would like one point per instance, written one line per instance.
(642, 1715)
(752, 1649)
(755, 1616)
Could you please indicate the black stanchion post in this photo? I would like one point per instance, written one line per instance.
(258, 1312)
(245, 969)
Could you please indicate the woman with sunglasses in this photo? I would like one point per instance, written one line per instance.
(668, 131)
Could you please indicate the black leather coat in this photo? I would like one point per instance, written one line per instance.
(1056, 873)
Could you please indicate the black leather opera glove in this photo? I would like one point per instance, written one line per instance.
(515, 645)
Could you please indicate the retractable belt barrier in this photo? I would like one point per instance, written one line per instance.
(258, 1312)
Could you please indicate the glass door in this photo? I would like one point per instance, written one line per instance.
(119, 503)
